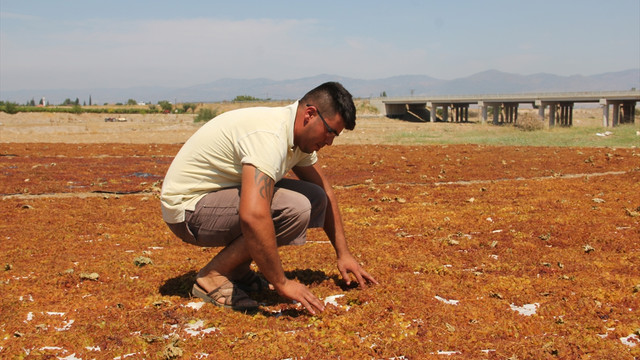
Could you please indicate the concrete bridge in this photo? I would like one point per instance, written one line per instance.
(505, 107)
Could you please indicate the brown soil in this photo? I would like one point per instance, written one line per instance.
(481, 251)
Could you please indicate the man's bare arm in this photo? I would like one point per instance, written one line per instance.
(257, 227)
(256, 193)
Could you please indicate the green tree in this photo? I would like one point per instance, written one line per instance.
(10, 107)
(241, 98)
(165, 106)
(187, 106)
(132, 102)
(205, 114)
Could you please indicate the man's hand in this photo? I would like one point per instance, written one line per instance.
(348, 264)
(334, 228)
(300, 293)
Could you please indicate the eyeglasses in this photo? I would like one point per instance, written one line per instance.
(330, 130)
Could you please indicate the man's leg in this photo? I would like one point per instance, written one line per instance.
(215, 223)
(229, 264)
(296, 206)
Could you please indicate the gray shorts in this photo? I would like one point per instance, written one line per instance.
(296, 206)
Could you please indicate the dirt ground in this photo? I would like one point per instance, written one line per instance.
(488, 252)
(151, 128)
(177, 128)
(91, 128)
(481, 252)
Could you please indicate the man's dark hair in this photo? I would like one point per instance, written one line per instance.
(332, 98)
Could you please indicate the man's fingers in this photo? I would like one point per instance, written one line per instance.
(369, 277)
(360, 280)
(361, 276)
(312, 304)
(345, 276)
(315, 302)
(308, 306)
(300, 293)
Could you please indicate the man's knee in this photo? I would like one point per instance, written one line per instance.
(307, 195)
(318, 200)
(290, 206)
(294, 211)
(181, 231)
(317, 197)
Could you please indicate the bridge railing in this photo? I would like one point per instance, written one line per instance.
(526, 97)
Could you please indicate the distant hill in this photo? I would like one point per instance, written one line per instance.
(486, 82)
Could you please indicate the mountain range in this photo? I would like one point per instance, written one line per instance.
(486, 82)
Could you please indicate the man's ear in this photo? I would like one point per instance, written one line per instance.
(307, 115)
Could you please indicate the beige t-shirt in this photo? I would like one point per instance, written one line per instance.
(213, 157)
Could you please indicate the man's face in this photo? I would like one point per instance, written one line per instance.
(319, 131)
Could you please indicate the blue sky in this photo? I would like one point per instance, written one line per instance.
(73, 44)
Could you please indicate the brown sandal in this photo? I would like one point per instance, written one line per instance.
(233, 296)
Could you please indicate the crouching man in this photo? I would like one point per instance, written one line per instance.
(226, 188)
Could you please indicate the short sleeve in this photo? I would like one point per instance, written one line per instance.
(262, 150)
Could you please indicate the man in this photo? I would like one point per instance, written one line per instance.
(225, 188)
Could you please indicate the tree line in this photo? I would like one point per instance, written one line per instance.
(71, 106)
(131, 106)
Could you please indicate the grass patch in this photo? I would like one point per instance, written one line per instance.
(474, 133)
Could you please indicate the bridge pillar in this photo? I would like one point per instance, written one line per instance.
(484, 106)
(560, 113)
(445, 110)
(496, 113)
(566, 114)
(434, 111)
(552, 115)
(461, 112)
(510, 113)
(484, 113)
(623, 112)
(628, 112)
(605, 114)
(541, 107)
(616, 114)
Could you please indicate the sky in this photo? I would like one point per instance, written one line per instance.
(81, 44)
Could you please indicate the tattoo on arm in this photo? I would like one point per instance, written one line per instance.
(265, 184)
